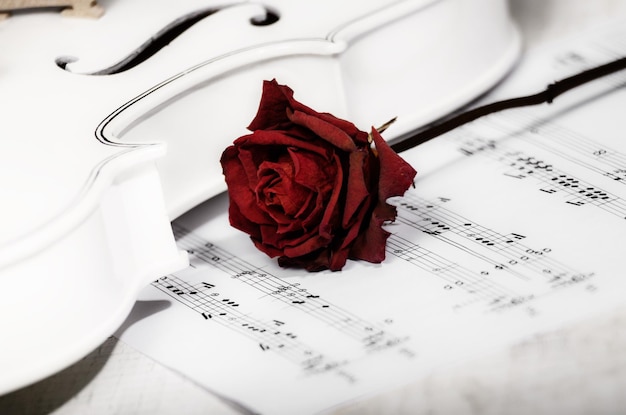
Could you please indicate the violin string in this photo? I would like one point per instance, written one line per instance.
(546, 96)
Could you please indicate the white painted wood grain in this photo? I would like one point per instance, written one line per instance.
(578, 370)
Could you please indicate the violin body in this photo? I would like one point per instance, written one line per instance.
(106, 138)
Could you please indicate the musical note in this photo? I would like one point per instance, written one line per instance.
(501, 252)
(519, 165)
(507, 233)
(212, 305)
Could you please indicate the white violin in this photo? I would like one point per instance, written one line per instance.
(106, 138)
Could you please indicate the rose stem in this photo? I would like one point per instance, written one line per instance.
(546, 96)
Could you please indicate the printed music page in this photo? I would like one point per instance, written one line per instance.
(516, 226)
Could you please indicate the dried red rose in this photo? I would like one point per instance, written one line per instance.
(309, 188)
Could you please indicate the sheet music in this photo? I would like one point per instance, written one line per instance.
(516, 226)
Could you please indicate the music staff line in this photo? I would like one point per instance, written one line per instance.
(480, 287)
(372, 336)
(601, 158)
(576, 148)
(613, 162)
(268, 336)
(520, 165)
(493, 264)
(509, 245)
(581, 59)
(506, 253)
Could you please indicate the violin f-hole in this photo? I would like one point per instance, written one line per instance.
(270, 17)
(164, 37)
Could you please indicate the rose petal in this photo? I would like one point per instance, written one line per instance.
(274, 101)
(266, 249)
(272, 208)
(354, 234)
(272, 112)
(396, 175)
(314, 217)
(248, 158)
(356, 190)
(277, 187)
(360, 137)
(239, 190)
(313, 262)
(338, 259)
(290, 192)
(299, 184)
(312, 170)
(271, 237)
(240, 221)
(370, 245)
(263, 142)
(307, 206)
(331, 213)
(306, 247)
(324, 130)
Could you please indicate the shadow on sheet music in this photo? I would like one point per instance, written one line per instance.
(49, 394)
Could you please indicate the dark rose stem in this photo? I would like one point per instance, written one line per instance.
(312, 189)
(546, 96)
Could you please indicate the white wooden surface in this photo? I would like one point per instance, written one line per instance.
(579, 370)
